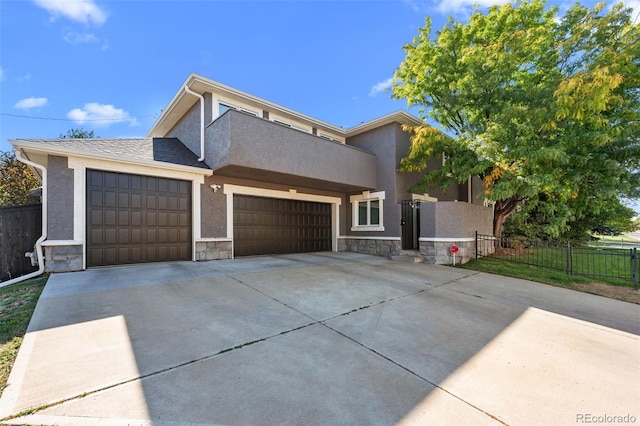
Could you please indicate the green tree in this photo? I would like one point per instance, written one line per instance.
(78, 134)
(530, 223)
(16, 180)
(544, 109)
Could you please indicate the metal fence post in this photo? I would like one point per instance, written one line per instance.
(569, 259)
(476, 245)
(634, 268)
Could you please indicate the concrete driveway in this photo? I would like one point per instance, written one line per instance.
(326, 338)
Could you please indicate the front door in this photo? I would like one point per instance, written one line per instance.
(410, 224)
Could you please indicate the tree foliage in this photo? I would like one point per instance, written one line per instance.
(78, 133)
(544, 109)
(16, 180)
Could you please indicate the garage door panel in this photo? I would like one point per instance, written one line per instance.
(272, 226)
(132, 219)
(110, 217)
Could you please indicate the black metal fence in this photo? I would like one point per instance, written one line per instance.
(20, 228)
(613, 264)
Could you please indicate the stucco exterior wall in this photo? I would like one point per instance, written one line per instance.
(381, 142)
(218, 142)
(60, 200)
(237, 140)
(188, 128)
(454, 220)
(213, 209)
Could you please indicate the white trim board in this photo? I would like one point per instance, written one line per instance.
(360, 237)
(54, 243)
(446, 239)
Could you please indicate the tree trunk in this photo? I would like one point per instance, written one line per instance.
(501, 212)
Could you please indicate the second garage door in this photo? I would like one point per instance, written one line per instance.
(275, 226)
(137, 219)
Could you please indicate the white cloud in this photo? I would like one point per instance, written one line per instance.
(381, 87)
(84, 11)
(413, 5)
(29, 103)
(101, 115)
(76, 38)
(84, 38)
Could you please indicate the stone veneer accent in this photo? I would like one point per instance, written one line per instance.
(213, 250)
(437, 252)
(63, 258)
(386, 248)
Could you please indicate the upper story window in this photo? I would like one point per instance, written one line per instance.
(367, 211)
(224, 107)
(330, 138)
(291, 124)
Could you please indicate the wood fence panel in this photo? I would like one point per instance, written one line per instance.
(20, 228)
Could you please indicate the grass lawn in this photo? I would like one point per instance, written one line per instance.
(17, 303)
(608, 288)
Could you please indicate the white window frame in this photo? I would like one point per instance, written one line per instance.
(230, 105)
(367, 197)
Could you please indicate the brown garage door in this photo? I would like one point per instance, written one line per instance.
(137, 219)
(272, 226)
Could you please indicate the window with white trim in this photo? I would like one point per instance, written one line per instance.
(367, 213)
(224, 107)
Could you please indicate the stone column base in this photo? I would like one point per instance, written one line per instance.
(438, 251)
(214, 250)
(376, 247)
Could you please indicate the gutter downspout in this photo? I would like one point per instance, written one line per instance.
(186, 89)
(43, 237)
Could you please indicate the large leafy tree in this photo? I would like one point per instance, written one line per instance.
(16, 180)
(545, 109)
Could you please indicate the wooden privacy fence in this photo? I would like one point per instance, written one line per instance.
(20, 228)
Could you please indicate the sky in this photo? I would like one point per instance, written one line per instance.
(111, 66)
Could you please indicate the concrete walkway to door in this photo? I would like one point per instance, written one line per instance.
(323, 338)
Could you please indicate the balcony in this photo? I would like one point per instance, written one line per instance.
(244, 146)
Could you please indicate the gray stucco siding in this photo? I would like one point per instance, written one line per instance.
(60, 198)
(239, 140)
(188, 128)
(383, 143)
(213, 209)
(454, 220)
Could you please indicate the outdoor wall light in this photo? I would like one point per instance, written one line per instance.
(215, 187)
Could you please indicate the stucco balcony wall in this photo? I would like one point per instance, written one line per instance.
(242, 145)
(444, 224)
(452, 219)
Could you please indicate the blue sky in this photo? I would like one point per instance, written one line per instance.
(111, 66)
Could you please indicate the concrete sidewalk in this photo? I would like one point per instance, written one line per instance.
(326, 338)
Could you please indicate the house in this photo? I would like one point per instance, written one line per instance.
(223, 174)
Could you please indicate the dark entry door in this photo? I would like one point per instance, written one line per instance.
(410, 224)
(137, 219)
(275, 226)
